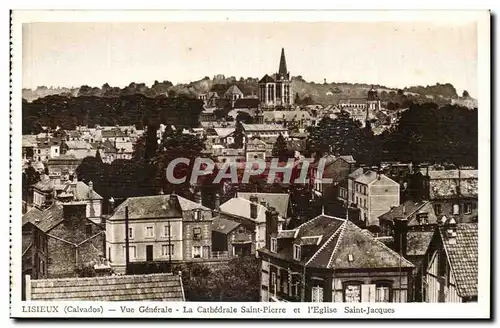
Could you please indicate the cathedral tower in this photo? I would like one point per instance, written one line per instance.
(276, 92)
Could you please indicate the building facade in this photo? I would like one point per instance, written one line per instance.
(276, 92)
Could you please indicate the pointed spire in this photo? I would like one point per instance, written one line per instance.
(282, 70)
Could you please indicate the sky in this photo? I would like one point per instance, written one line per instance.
(396, 54)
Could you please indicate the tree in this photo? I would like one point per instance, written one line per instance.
(150, 143)
(98, 156)
(236, 281)
(239, 136)
(175, 144)
(139, 152)
(465, 94)
(297, 98)
(280, 148)
(244, 117)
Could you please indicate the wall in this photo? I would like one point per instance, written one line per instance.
(115, 242)
(382, 196)
(205, 224)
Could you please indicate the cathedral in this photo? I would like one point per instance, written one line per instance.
(276, 92)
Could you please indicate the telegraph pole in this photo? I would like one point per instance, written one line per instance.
(170, 247)
(127, 255)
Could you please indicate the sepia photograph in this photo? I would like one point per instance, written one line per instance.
(245, 162)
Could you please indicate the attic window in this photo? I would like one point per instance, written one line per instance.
(274, 245)
(197, 215)
(350, 258)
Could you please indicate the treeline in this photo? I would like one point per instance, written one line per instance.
(139, 110)
(426, 133)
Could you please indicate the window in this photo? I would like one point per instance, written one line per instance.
(39, 152)
(197, 233)
(467, 208)
(166, 231)
(197, 215)
(131, 233)
(383, 292)
(274, 245)
(273, 282)
(352, 292)
(317, 294)
(131, 250)
(150, 232)
(55, 150)
(456, 209)
(196, 252)
(88, 229)
(296, 252)
(167, 250)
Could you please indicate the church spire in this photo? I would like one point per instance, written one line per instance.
(282, 70)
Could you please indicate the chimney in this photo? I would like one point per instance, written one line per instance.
(400, 235)
(172, 200)
(271, 225)
(254, 201)
(197, 197)
(217, 202)
(74, 212)
(91, 186)
(111, 205)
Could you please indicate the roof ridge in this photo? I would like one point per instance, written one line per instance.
(343, 227)
(324, 245)
(106, 277)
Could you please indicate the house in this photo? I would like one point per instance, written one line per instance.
(328, 259)
(220, 136)
(453, 192)
(124, 149)
(79, 149)
(79, 191)
(63, 166)
(160, 228)
(408, 229)
(165, 287)
(46, 148)
(264, 131)
(337, 169)
(73, 241)
(233, 93)
(280, 202)
(115, 134)
(34, 252)
(451, 264)
(372, 192)
(255, 149)
(29, 144)
(231, 238)
(251, 213)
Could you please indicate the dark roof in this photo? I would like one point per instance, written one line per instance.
(81, 191)
(282, 68)
(279, 201)
(410, 211)
(45, 184)
(113, 133)
(338, 240)
(266, 79)
(224, 226)
(233, 90)
(463, 257)
(45, 219)
(247, 103)
(151, 287)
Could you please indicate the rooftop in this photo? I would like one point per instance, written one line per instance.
(279, 201)
(223, 226)
(263, 127)
(151, 287)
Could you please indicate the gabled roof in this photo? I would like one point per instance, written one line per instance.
(233, 90)
(45, 219)
(224, 226)
(356, 173)
(223, 132)
(463, 257)
(342, 245)
(81, 191)
(418, 242)
(78, 144)
(280, 202)
(151, 287)
(148, 207)
(266, 79)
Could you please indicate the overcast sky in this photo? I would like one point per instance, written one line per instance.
(392, 54)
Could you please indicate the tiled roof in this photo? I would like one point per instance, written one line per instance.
(450, 183)
(279, 201)
(115, 133)
(286, 115)
(286, 234)
(343, 245)
(224, 226)
(152, 287)
(45, 219)
(246, 103)
(263, 127)
(266, 79)
(45, 184)
(356, 173)
(147, 207)
(29, 141)
(224, 132)
(78, 144)
(463, 257)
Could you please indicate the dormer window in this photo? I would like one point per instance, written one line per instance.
(274, 245)
(296, 252)
(197, 215)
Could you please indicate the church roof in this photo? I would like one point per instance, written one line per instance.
(266, 79)
(282, 69)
